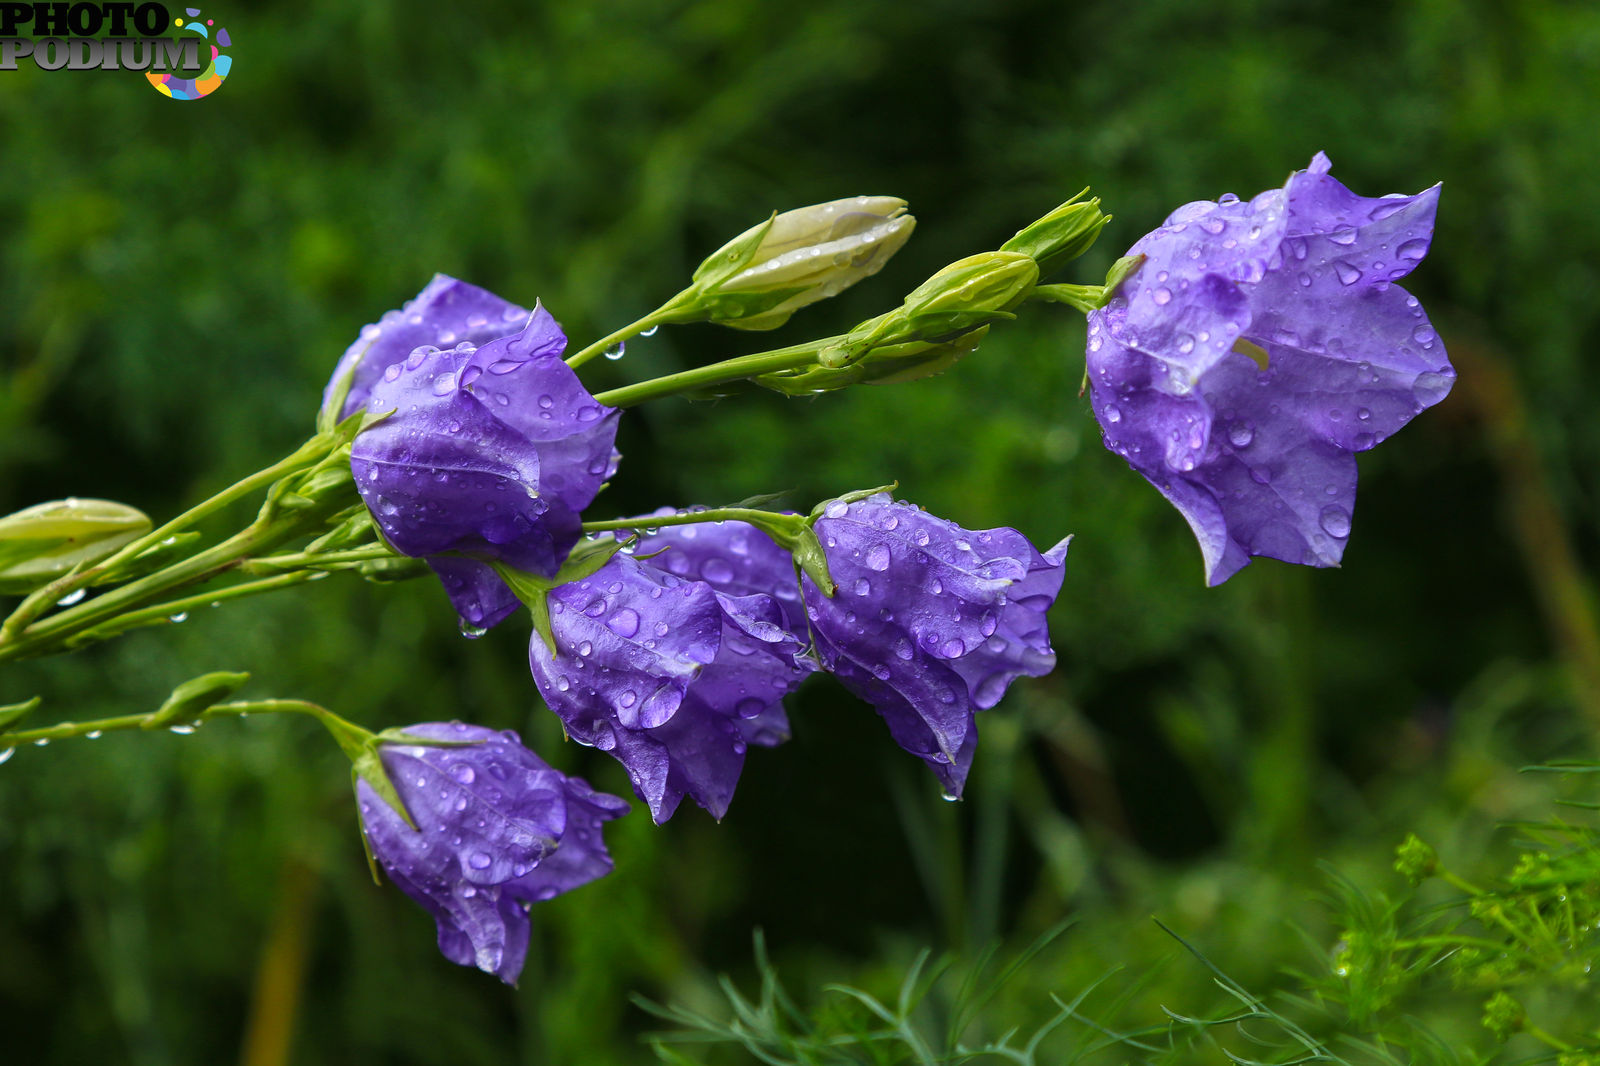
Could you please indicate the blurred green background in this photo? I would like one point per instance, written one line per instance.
(177, 280)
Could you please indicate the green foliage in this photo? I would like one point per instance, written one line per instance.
(178, 281)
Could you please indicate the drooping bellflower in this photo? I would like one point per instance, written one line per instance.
(488, 453)
(931, 622)
(496, 830)
(672, 677)
(1256, 350)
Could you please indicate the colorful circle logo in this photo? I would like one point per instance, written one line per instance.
(210, 79)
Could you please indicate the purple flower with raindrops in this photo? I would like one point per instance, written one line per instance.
(672, 677)
(486, 453)
(1256, 350)
(495, 830)
(931, 622)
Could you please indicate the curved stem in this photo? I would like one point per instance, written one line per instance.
(236, 708)
(686, 518)
(42, 599)
(164, 612)
(261, 536)
(744, 366)
(667, 312)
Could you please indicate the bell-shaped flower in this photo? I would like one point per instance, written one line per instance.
(492, 830)
(486, 453)
(1256, 349)
(930, 622)
(445, 313)
(672, 677)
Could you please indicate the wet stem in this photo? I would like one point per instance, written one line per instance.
(729, 370)
(24, 634)
(234, 709)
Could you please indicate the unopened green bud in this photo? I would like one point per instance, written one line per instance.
(968, 293)
(1062, 235)
(193, 698)
(889, 364)
(40, 543)
(764, 275)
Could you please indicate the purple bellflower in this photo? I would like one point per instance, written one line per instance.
(672, 677)
(1258, 347)
(488, 452)
(496, 830)
(931, 622)
(445, 313)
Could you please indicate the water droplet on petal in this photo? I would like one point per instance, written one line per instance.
(1347, 235)
(479, 861)
(1413, 250)
(1430, 388)
(878, 557)
(625, 623)
(1240, 434)
(1113, 414)
(1348, 273)
(1335, 521)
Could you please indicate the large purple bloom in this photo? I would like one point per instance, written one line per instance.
(1262, 461)
(931, 622)
(445, 313)
(672, 677)
(488, 452)
(496, 830)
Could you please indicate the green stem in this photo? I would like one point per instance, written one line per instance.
(671, 311)
(164, 612)
(335, 560)
(237, 708)
(259, 537)
(686, 518)
(1083, 298)
(745, 366)
(41, 600)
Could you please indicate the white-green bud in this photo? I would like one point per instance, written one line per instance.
(42, 542)
(761, 277)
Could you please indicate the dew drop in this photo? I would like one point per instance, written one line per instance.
(1113, 414)
(625, 623)
(1347, 235)
(463, 773)
(1162, 295)
(6, 754)
(617, 350)
(1430, 388)
(181, 616)
(1335, 521)
(878, 557)
(1348, 273)
(717, 571)
(71, 598)
(479, 861)
(1412, 250)
(1240, 435)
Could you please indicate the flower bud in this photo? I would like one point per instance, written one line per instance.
(968, 293)
(761, 277)
(42, 542)
(1062, 235)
